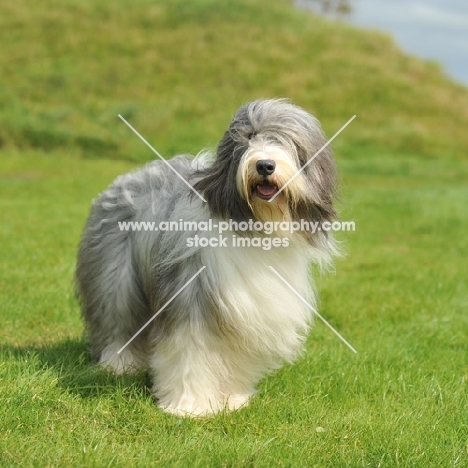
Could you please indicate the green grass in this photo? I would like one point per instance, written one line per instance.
(178, 72)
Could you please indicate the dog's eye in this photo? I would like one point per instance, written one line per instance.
(251, 135)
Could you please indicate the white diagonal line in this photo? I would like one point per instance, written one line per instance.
(160, 157)
(161, 309)
(312, 158)
(313, 309)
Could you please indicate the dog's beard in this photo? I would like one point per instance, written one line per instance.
(258, 190)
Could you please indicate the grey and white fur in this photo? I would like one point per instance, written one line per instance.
(237, 320)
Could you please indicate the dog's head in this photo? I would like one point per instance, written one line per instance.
(265, 167)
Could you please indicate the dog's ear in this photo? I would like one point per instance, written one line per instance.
(217, 182)
(321, 172)
(320, 178)
(318, 204)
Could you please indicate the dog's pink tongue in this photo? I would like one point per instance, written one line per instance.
(266, 190)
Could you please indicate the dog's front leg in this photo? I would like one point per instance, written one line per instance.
(192, 374)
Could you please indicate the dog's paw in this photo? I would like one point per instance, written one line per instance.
(237, 401)
(127, 361)
(190, 407)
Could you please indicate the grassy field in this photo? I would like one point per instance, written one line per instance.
(177, 70)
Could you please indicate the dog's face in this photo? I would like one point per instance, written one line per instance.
(268, 179)
(266, 153)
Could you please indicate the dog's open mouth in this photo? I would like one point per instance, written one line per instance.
(266, 190)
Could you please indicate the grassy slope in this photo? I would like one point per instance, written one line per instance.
(178, 73)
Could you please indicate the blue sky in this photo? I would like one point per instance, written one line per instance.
(432, 29)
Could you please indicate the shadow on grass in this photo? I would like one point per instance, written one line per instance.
(74, 369)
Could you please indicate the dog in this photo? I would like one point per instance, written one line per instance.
(209, 342)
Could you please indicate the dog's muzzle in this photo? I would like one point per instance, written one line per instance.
(265, 168)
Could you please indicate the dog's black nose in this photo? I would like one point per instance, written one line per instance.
(265, 166)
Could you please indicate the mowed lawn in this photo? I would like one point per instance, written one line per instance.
(177, 70)
(399, 297)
